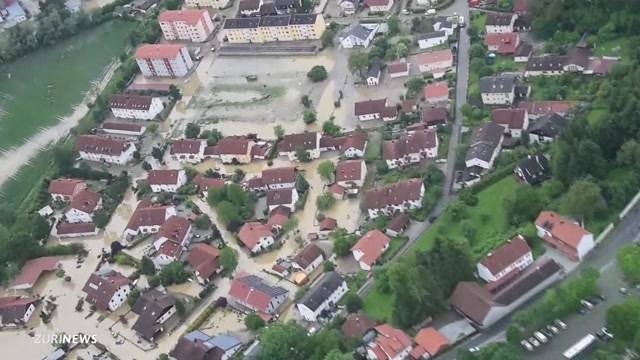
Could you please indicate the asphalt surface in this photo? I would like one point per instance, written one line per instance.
(603, 258)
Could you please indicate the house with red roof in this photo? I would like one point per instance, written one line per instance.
(31, 271)
(308, 259)
(433, 117)
(389, 344)
(410, 148)
(357, 325)
(513, 120)
(370, 248)
(307, 141)
(429, 343)
(564, 234)
(250, 293)
(82, 206)
(189, 150)
(374, 110)
(274, 179)
(123, 129)
(399, 68)
(326, 226)
(16, 310)
(379, 5)
(231, 150)
(536, 109)
(204, 183)
(186, 24)
(133, 106)
(256, 236)
(104, 149)
(278, 217)
(502, 43)
(107, 289)
(64, 188)
(350, 175)
(511, 257)
(435, 62)
(282, 197)
(352, 144)
(163, 60)
(436, 93)
(387, 200)
(147, 219)
(398, 224)
(67, 230)
(203, 258)
(166, 180)
(172, 239)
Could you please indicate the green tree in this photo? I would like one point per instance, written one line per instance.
(327, 38)
(228, 259)
(476, 51)
(328, 266)
(309, 116)
(584, 200)
(202, 222)
(317, 73)
(305, 101)
(623, 320)
(393, 25)
(326, 170)
(283, 341)
(192, 131)
(353, 302)
(253, 322)
(414, 86)
(302, 155)
(336, 354)
(342, 241)
(146, 266)
(325, 201)
(523, 206)
(330, 128)
(629, 262)
(358, 61)
(133, 296)
(173, 273)
(278, 131)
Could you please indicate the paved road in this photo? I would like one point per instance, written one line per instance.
(414, 231)
(602, 258)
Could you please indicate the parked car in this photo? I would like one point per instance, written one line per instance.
(601, 297)
(534, 342)
(540, 336)
(623, 291)
(606, 332)
(474, 349)
(546, 332)
(594, 300)
(431, 12)
(560, 323)
(553, 329)
(582, 310)
(525, 344)
(586, 304)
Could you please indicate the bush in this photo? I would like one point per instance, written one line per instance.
(202, 222)
(309, 117)
(317, 73)
(353, 302)
(253, 322)
(325, 201)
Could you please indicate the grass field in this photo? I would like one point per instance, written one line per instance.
(378, 305)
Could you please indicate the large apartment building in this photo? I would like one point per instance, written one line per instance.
(131, 106)
(166, 60)
(274, 28)
(190, 24)
(216, 4)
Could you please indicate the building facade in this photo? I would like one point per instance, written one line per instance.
(191, 24)
(163, 60)
(130, 106)
(274, 28)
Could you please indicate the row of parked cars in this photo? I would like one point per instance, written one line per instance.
(543, 335)
(588, 303)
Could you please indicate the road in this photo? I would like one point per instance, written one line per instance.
(460, 7)
(603, 257)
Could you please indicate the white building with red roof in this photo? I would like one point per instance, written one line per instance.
(282, 197)
(132, 106)
(216, 4)
(379, 5)
(435, 62)
(82, 206)
(16, 310)
(429, 343)
(564, 234)
(374, 110)
(67, 230)
(204, 183)
(436, 93)
(350, 175)
(370, 248)
(164, 60)
(509, 258)
(166, 180)
(189, 150)
(389, 344)
(401, 196)
(308, 259)
(65, 188)
(204, 259)
(123, 129)
(256, 236)
(353, 144)
(186, 24)
(147, 219)
(173, 238)
(513, 120)
(250, 293)
(107, 289)
(104, 149)
(273, 179)
(231, 150)
(399, 69)
(307, 141)
(502, 43)
(31, 271)
(411, 148)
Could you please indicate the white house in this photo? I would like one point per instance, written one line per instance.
(358, 35)
(350, 175)
(348, 7)
(308, 259)
(410, 148)
(564, 234)
(166, 180)
(484, 146)
(82, 207)
(514, 120)
(173, 238)
(307, 141)
(186, 24)
(440, 23)
(373, 74)
(231, 150)
(497, 90)
(374, 110)
(432, 39)
(389, 344)
(189, 150)
(79, 229)
(65, 188)
(249, 293)
(256, 236)
(399, 69)
(124, 129)
(500, 22)
(434, 61)
(511, 257)
(16, 310)
(131, 106)
(216, 4)
(103, 149)
(282, 197)
(147, 219)
(397, 197)
(370, 248)
(379, 5)
(164, 60)
(107, 289)
(323, 295)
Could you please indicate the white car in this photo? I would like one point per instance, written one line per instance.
(586, 304)
(540, 336)
(474, 349)
(606, 332)
(431, 12)
(560, 323)
(534, 342)
(553, 329)
(525, 344)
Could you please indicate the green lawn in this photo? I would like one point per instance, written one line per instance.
(374, 146)
(502, 63)
(478, 20)
(378, 305)
(594, 116)
(394, 246)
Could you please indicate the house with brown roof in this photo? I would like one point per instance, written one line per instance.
(154, 308)
(172, 239)
(107, 289)
(549, 64)
(399, 68)
(375, 110)
(232, 150)
(500, 22)
(307, 141)
(82, 206)
(308, 259)
(67, 230)
(484, 146)
(278, 217)
(411, 148)
(357, 325)
(104, 149)
(511, 257)
(433, 117)
(64, 188)
(204, 182)
(353, 144)
(132, 106)
(147, 219)
(250, 293)
(564, 234)
(498, 90)
(369, 248)
(536, 109)
(31, 271)
(166, 180)
(274, 179)
(16, 310)
(502, 43)
(514, 121)
(429, 343)
(397, 225)
(189, 150)
(197, 345)
(389, 344)
(326, 226)
(436, 93)
(256, 236)
(401, 196)
(435, 62)
(203, 258)
(484, 306)
(282, 197)
(123, 129)
(350, 175)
